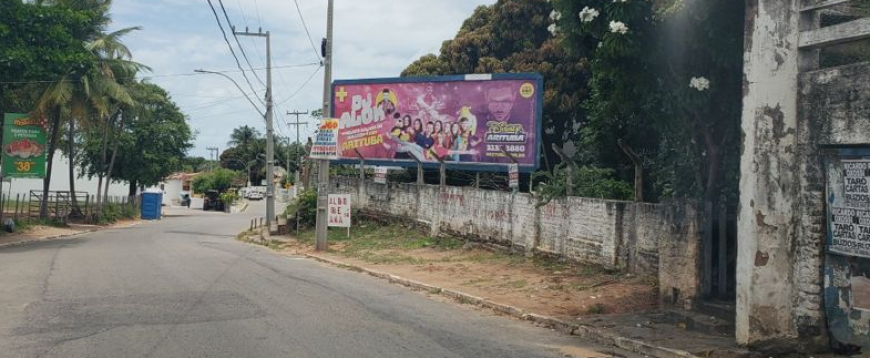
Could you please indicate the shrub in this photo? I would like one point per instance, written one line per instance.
(305, 205)
(590, 182)
(229, 198)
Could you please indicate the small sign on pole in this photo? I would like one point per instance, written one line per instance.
(381, 175)
(325, 147)
(339, 210)
(514, 176)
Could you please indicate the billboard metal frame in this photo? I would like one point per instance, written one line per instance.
(478, 167)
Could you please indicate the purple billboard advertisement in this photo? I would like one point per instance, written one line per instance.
(474, 122)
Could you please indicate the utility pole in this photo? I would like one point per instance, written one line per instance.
(323, 167)
(298, 144)
(213, 155)
(270, 130)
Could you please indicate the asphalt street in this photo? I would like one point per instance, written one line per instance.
(183, 287)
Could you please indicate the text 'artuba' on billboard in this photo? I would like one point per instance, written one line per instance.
(473, 122)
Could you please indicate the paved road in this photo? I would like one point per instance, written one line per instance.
(183, 287)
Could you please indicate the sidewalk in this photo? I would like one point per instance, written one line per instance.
(43, 233)
(607, 307)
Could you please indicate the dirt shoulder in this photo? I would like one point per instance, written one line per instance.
(543, 286)
(43, 232)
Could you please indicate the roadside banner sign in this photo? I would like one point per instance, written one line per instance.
(514, 176)
(326, 144)
(381, 175)
(339, 210)
(24, 146)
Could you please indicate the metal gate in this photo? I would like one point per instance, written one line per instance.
(847, 249)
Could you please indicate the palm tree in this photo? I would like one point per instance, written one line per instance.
(243, 137)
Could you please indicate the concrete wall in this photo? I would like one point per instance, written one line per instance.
(834, 112)
(657, 240)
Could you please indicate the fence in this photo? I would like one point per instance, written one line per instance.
(662, 240)
(61, 206)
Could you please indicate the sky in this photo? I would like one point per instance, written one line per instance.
(372, 39)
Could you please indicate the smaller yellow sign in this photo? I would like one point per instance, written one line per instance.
(527, 90)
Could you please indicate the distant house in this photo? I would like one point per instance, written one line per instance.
(175, 185)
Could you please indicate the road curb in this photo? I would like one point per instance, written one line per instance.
(569, 328)
(47, 238)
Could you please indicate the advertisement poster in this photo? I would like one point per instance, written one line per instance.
(24, 146)
(856, 176)
(849, 209)
(326, 144)
(850, 231)
(470, 122)
(339, 210)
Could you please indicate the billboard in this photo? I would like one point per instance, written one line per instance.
(24, 146)
(470, 122)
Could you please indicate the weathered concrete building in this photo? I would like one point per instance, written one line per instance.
(803, 255)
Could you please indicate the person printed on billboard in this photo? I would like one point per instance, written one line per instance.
(386, 102)
(500, 103)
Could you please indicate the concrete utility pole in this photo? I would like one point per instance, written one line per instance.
(323, 167)
(270, 130)
(213, 155)
(298, 144)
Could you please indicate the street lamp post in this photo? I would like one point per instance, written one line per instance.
(270, 144)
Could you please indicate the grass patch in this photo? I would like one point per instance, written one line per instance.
(596, 309)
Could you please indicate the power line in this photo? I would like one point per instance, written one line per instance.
(227, 40)
(301, 87)
(242, 49)
(305, 26)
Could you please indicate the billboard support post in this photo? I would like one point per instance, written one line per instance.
(571, 167)
(442, 171)
(420, 179)
(362, 175)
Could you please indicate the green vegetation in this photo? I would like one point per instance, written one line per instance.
(247, 151)
(305, 205)
(60, 62)
(596, 309)
(219, 180)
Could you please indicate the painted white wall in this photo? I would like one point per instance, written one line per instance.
(172, 192)
(60, 181)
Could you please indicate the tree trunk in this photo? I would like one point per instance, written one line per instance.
(107, 130)
(52, 147)
(637, 162)
(75, 211)
(133, 187)
(117, 140)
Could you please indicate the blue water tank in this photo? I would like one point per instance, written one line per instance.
(151, 206)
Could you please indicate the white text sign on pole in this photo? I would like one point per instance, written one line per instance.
(339, 210)
(381, 175)
(514, 176)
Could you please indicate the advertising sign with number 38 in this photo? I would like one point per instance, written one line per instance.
(23, 146)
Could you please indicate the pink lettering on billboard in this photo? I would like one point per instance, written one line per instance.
(476, 122)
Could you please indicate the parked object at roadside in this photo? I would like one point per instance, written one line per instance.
(212, 201)
(255, 196)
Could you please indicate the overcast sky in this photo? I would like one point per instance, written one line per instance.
(373, 38)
